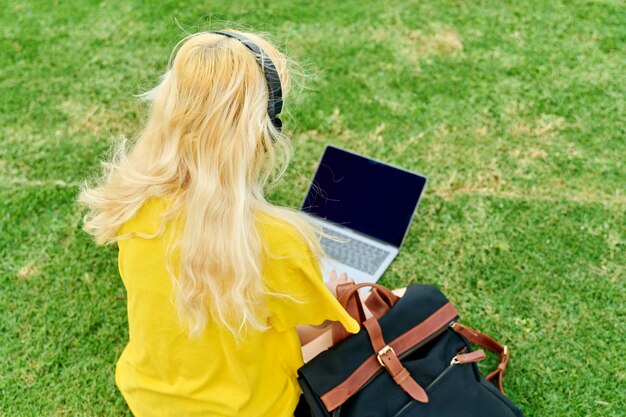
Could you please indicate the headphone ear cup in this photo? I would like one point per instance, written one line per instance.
(278, 124)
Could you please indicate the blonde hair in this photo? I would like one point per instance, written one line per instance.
(210, 148)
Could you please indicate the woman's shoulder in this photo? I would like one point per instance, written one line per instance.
(280, 236)
(148, 218)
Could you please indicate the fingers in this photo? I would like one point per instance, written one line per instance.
(343, 277)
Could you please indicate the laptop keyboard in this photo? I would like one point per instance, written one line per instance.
(352, 252)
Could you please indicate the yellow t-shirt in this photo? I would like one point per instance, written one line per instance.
(162, 372)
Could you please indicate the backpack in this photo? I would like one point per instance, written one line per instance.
(412, 358)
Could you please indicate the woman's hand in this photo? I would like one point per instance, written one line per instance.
(334, 281)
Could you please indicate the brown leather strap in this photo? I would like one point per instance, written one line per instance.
(388, 359)
(354, 288)
(488, 343)
(435, 323)
(379, 303)
(469, 357)
(352, 305)
(376, 333)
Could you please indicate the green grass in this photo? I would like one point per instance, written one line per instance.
(515, 111)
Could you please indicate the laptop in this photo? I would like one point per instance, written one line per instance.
(366, 206)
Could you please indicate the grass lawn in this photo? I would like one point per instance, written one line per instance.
(515, 111)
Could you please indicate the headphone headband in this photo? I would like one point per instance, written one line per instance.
(275, 103)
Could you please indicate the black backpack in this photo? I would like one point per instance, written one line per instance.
(411, 359)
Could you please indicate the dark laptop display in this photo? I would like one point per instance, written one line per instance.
(365, 195)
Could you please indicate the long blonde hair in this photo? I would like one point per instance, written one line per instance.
(210, 148)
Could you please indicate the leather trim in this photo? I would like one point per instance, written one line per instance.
(421, 332)
(491, 344)
(353, 306)
(387, 357)
(471, 357)
(379, 303)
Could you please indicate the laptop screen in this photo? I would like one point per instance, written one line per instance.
(365, 195)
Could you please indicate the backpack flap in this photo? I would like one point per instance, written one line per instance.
(340, 372)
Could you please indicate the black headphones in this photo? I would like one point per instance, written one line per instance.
(275, 104)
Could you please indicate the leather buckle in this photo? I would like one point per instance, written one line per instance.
(384, 351)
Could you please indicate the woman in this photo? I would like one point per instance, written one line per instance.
(223, 287)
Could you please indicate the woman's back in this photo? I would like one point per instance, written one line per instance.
(165, 372)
